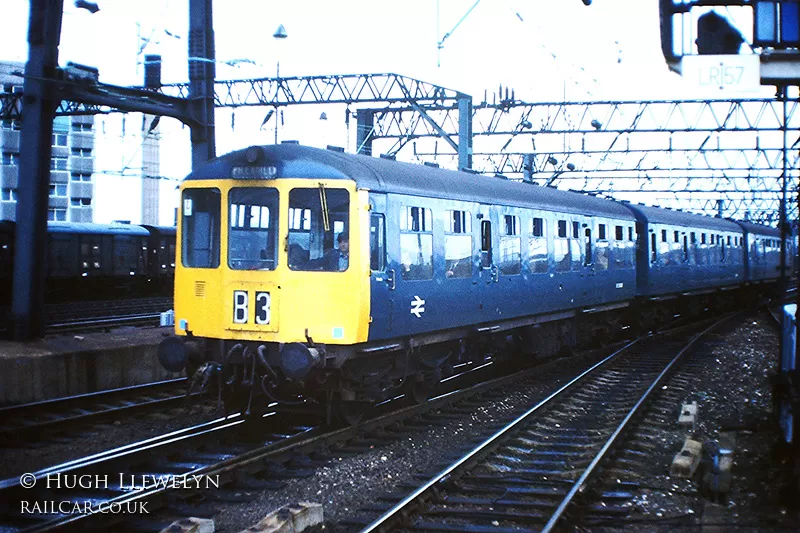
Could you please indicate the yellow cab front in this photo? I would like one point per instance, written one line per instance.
(273, 261)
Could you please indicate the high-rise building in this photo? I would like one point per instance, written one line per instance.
(71, 161)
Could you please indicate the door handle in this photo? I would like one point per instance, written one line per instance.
(391, 279)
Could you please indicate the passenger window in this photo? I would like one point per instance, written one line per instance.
(587, 243)
(561, 248)
(416, 243)
(486, 244)
(377, 243)
(653, 252)
(458, 245)
(537, 246)
(510, 247)
(618, 233)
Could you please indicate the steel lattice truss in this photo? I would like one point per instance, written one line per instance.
(713, 156)
(704, 155)
(333, 89)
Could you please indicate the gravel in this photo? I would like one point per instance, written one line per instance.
(732, 390)
(731, 386)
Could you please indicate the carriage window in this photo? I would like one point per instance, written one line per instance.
(252, 228)
(663, 235)
(377, 243)
(538, 227)
(618, 233)
(459, 222)
(576, 230)
(458, 245)
(200, 213)
(416, 219)
(318, 224)
(676, 236)
(630, 233)
(653, 253)
(416, 243)
(510, 252)
(561, 248)
(537, 247)
(601, 232)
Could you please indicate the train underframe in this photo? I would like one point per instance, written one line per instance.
(345, 380)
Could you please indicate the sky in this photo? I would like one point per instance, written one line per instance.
(545, 50)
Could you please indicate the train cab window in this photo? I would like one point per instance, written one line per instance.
(377, 242)
(510, 246)
(537, 246)
(318, 222)
(252, 228)
(200, 214)
(416, 243)
(458, 245)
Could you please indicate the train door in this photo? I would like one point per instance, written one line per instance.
(488, 272)
(382, 279)
(588, 271)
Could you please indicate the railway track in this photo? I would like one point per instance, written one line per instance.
(235, 456)
(51, 418)
(528, 474)
(95, 315)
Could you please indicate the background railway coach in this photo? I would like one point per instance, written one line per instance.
(686, 261)
(763, 246)
(97, 261)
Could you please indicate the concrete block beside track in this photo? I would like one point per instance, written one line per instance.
(66, 365)
(191, 525)
(688, 416)
(290, 519)
(687, 460)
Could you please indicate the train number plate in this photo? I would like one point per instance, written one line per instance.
(241, 311)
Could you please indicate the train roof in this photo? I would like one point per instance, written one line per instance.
(759, 229)
(86, 228)
(657, 215)
(383, 175)
(160, 230)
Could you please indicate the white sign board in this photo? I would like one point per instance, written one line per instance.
(723, 72)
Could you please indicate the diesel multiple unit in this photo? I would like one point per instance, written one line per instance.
(346, 278)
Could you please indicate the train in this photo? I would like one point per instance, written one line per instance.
(314, 275)
(97, 261)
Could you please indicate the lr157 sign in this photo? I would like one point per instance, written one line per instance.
(723, 72)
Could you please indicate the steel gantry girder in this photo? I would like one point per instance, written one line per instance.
(332, 89)
(647, 151)
(326, 89)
